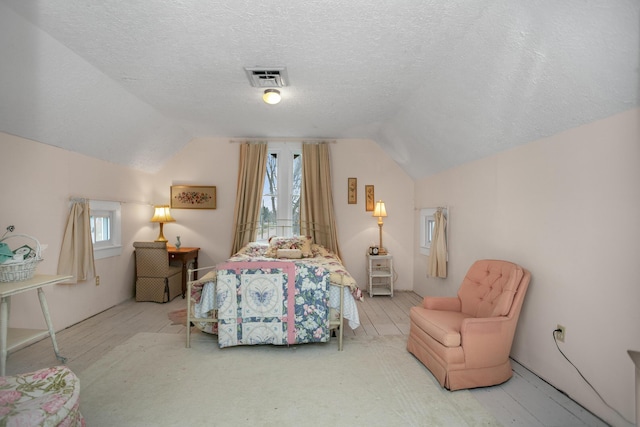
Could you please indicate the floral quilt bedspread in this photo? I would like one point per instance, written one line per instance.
(272, 302)
(203, 298)
(321, 257)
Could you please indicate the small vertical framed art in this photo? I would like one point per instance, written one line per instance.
(369, 198)
(352, 191)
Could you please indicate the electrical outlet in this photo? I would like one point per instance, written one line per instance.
(560, 332)
(97, 280)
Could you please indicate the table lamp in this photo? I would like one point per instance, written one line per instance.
(380, 211)
(162, 214)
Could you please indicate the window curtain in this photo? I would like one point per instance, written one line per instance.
(253, 164)
(76, 253)
(318, 217)
(438, 252)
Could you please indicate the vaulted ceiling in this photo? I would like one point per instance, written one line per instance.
(434, 83)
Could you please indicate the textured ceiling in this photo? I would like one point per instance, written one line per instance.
(434, 83)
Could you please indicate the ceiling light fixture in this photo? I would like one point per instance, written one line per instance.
(271, 96)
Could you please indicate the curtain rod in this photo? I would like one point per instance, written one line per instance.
(267, 140)
(86, 199)
(433, 207)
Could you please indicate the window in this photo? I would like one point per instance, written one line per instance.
(427, 228)
(280, 211)
(105, 220)
(101, 227)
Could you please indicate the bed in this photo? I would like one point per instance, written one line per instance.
(287, 291)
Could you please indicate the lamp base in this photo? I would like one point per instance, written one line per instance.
(381, 249)
(161, 237)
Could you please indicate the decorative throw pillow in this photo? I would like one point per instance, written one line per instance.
(254, 249)
(297, 242)
(319, 250)
(306, 246)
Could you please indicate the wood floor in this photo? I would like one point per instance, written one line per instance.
(525, 400)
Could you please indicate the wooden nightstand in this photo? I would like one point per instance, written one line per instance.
(380, 272)
(185, 256)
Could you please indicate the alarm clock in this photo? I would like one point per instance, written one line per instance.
(374, 250)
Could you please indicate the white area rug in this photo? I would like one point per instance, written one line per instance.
(153, 380)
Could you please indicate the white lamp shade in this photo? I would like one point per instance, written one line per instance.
(162, 214)
(380, 210)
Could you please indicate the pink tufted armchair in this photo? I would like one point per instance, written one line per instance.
(465, 341)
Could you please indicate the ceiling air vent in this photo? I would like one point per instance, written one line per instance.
(267, 76)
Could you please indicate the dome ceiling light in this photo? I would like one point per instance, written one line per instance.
(271, 96)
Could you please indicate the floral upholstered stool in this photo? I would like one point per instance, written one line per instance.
(48, 397)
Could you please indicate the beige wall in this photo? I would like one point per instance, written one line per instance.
(37, 182)
(42, 178)
(204, 161)
(568, 209)
(357, 228)
(545, 205)
(211, 161)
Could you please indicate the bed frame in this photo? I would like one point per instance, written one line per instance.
(333, 324)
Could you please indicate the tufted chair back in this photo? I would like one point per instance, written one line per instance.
(152, 259)
(156, 280)
(489, 287)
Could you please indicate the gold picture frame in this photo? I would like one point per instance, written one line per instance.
(352, 191)
(369, 198)
(193, 197)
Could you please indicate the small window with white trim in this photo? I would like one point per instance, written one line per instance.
(105, 220)
(427, 228)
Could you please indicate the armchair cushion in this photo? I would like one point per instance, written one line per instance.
(442, 326)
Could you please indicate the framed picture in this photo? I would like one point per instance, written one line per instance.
(193, 197)
(369, 198)
(352, 191)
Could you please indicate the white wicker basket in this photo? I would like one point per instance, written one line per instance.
(24, 270)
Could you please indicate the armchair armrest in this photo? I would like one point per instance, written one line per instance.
(486, 341)
(442, 303)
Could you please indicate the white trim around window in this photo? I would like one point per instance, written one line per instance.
(112, 246)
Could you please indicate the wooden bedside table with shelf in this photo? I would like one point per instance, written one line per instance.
(380, 274)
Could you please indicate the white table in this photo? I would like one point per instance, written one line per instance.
(11, 338)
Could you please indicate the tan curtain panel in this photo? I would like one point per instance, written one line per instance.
(253, 164)
(318, 217)
(438, 252)
(76, 253)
